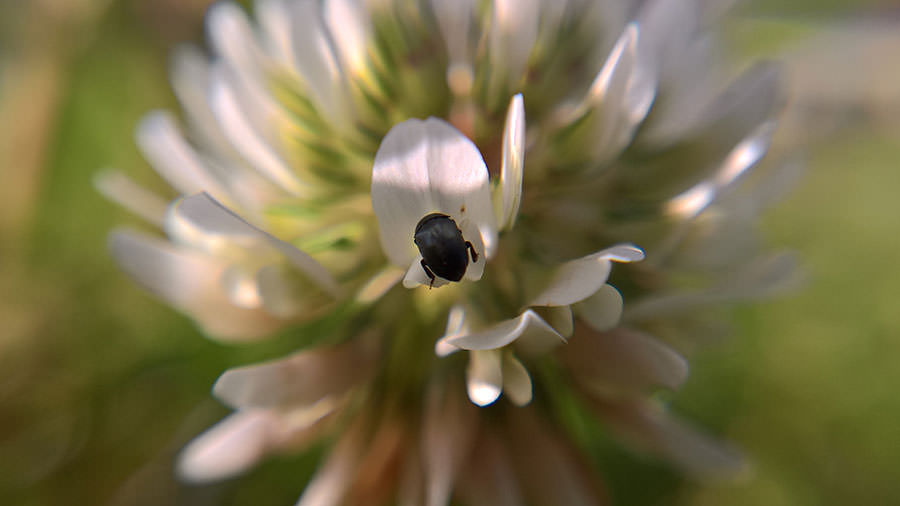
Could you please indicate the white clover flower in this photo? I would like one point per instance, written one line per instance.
(321, 135)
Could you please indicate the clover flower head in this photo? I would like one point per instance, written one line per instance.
(364, 169)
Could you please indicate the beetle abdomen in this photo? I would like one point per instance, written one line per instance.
(442, 246)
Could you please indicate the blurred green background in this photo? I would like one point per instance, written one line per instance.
(100, 384)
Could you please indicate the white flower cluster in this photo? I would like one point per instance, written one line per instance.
(322, 138)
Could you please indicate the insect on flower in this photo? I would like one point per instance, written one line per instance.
(339, 148)
(444, 249)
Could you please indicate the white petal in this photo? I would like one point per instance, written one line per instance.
(232, 38)
(122, 190)
(173, 158)
(512, 171)
(603, 310)
(578, 279)
(743, 157)
(423, 167)
(456, 326)
(454, 20)
(667, 27)
(317, 63)
(621, 94)
(189, 76)
(558, 317)
(484, 376)
(514, 29)
(227, 449)
(614, 73)
(231, 35)
(277, 292)
(229, 179)
(274, 20)
(246, 137)
(241, 288)
(531, 334)
(516, 380)
(244, 63)
(190, 282)
(379, 285)
(349, 25)
(301, 379)
(204, 221)
(623, 361)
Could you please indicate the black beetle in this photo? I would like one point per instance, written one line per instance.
(443, 248)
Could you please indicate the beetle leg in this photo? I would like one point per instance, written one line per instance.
(428, 273)
(472, 251)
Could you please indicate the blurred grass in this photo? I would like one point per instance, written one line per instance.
(810, 381)
(102, 384)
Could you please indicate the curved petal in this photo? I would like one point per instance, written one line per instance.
(578, 279)
(619, 97)
(558, 317)
(246, 137)
(667, 27)
(603, 310)
(531, 333)
(612, 76)
(317, 63)
(241, 287)
(301, 379)
(274, 19)
(122, 190)
(229, 448)
(205, 222)
(423, 167)
(513, 32)
(512, 170)
(276, 291)
(163, 145)
(484, 376)
(190, 282)
(516, 380)
(454, 20)
(743, 157)
(623, 361)
(349, 26)
(456, 326)
(189, 77)
(231, 35)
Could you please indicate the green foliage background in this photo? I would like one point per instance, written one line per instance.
(100, 384)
